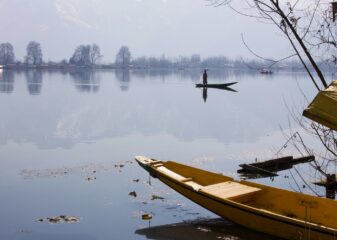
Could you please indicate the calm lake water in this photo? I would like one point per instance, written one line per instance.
(67, 143)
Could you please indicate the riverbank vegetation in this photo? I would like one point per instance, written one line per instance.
(89, 56)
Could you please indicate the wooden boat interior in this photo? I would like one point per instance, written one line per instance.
(256, 197)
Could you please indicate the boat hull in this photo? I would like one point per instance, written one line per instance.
(215, 85)
(254, 220)
(242, 208)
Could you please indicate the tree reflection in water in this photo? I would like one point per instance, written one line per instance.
(34, 81)
(205, 91)
(6, 81)
(86, 80)
(123, 76)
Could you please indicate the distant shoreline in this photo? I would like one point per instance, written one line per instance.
(69, 67)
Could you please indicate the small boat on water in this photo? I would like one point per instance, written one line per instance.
(215, 85)
(274, 211)
(265, 71)
(270, 168)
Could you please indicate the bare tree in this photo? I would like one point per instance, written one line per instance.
(311, 31)
(123, 57)
(296, 20)
(6, 53)
(81, 56)
(323, 35)
(95, 54)
(34, 53)
(86, 55)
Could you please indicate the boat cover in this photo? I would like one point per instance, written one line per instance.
(323, 109)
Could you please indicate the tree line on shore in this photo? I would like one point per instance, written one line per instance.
(89, 56)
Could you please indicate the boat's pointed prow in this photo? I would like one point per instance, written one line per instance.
(147, 163)
(141, 159)
(145, 160)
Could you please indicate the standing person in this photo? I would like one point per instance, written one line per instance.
(204, 77)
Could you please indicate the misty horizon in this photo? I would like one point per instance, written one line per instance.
(113, 58)
(186, 27)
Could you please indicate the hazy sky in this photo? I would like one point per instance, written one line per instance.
(148, 27)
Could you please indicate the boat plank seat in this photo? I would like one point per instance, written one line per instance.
(194, 185)
(170, 173)
(187, 181)
(158, 164)
(154, 161)
(231, 190)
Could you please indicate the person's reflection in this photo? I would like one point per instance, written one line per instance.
(34, 81)
(123, 76)
(204, 94)
(6, 81)
(86, 81)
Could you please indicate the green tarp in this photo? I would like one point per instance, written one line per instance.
(323, 109)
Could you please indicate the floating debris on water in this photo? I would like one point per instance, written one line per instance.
(133, 194)
(59, 219)
(91, 179)
(119, 165)
(136, 180)
(155, 197)
(86, 170)
(146, 216)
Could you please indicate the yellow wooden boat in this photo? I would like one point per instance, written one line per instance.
(278, 212)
